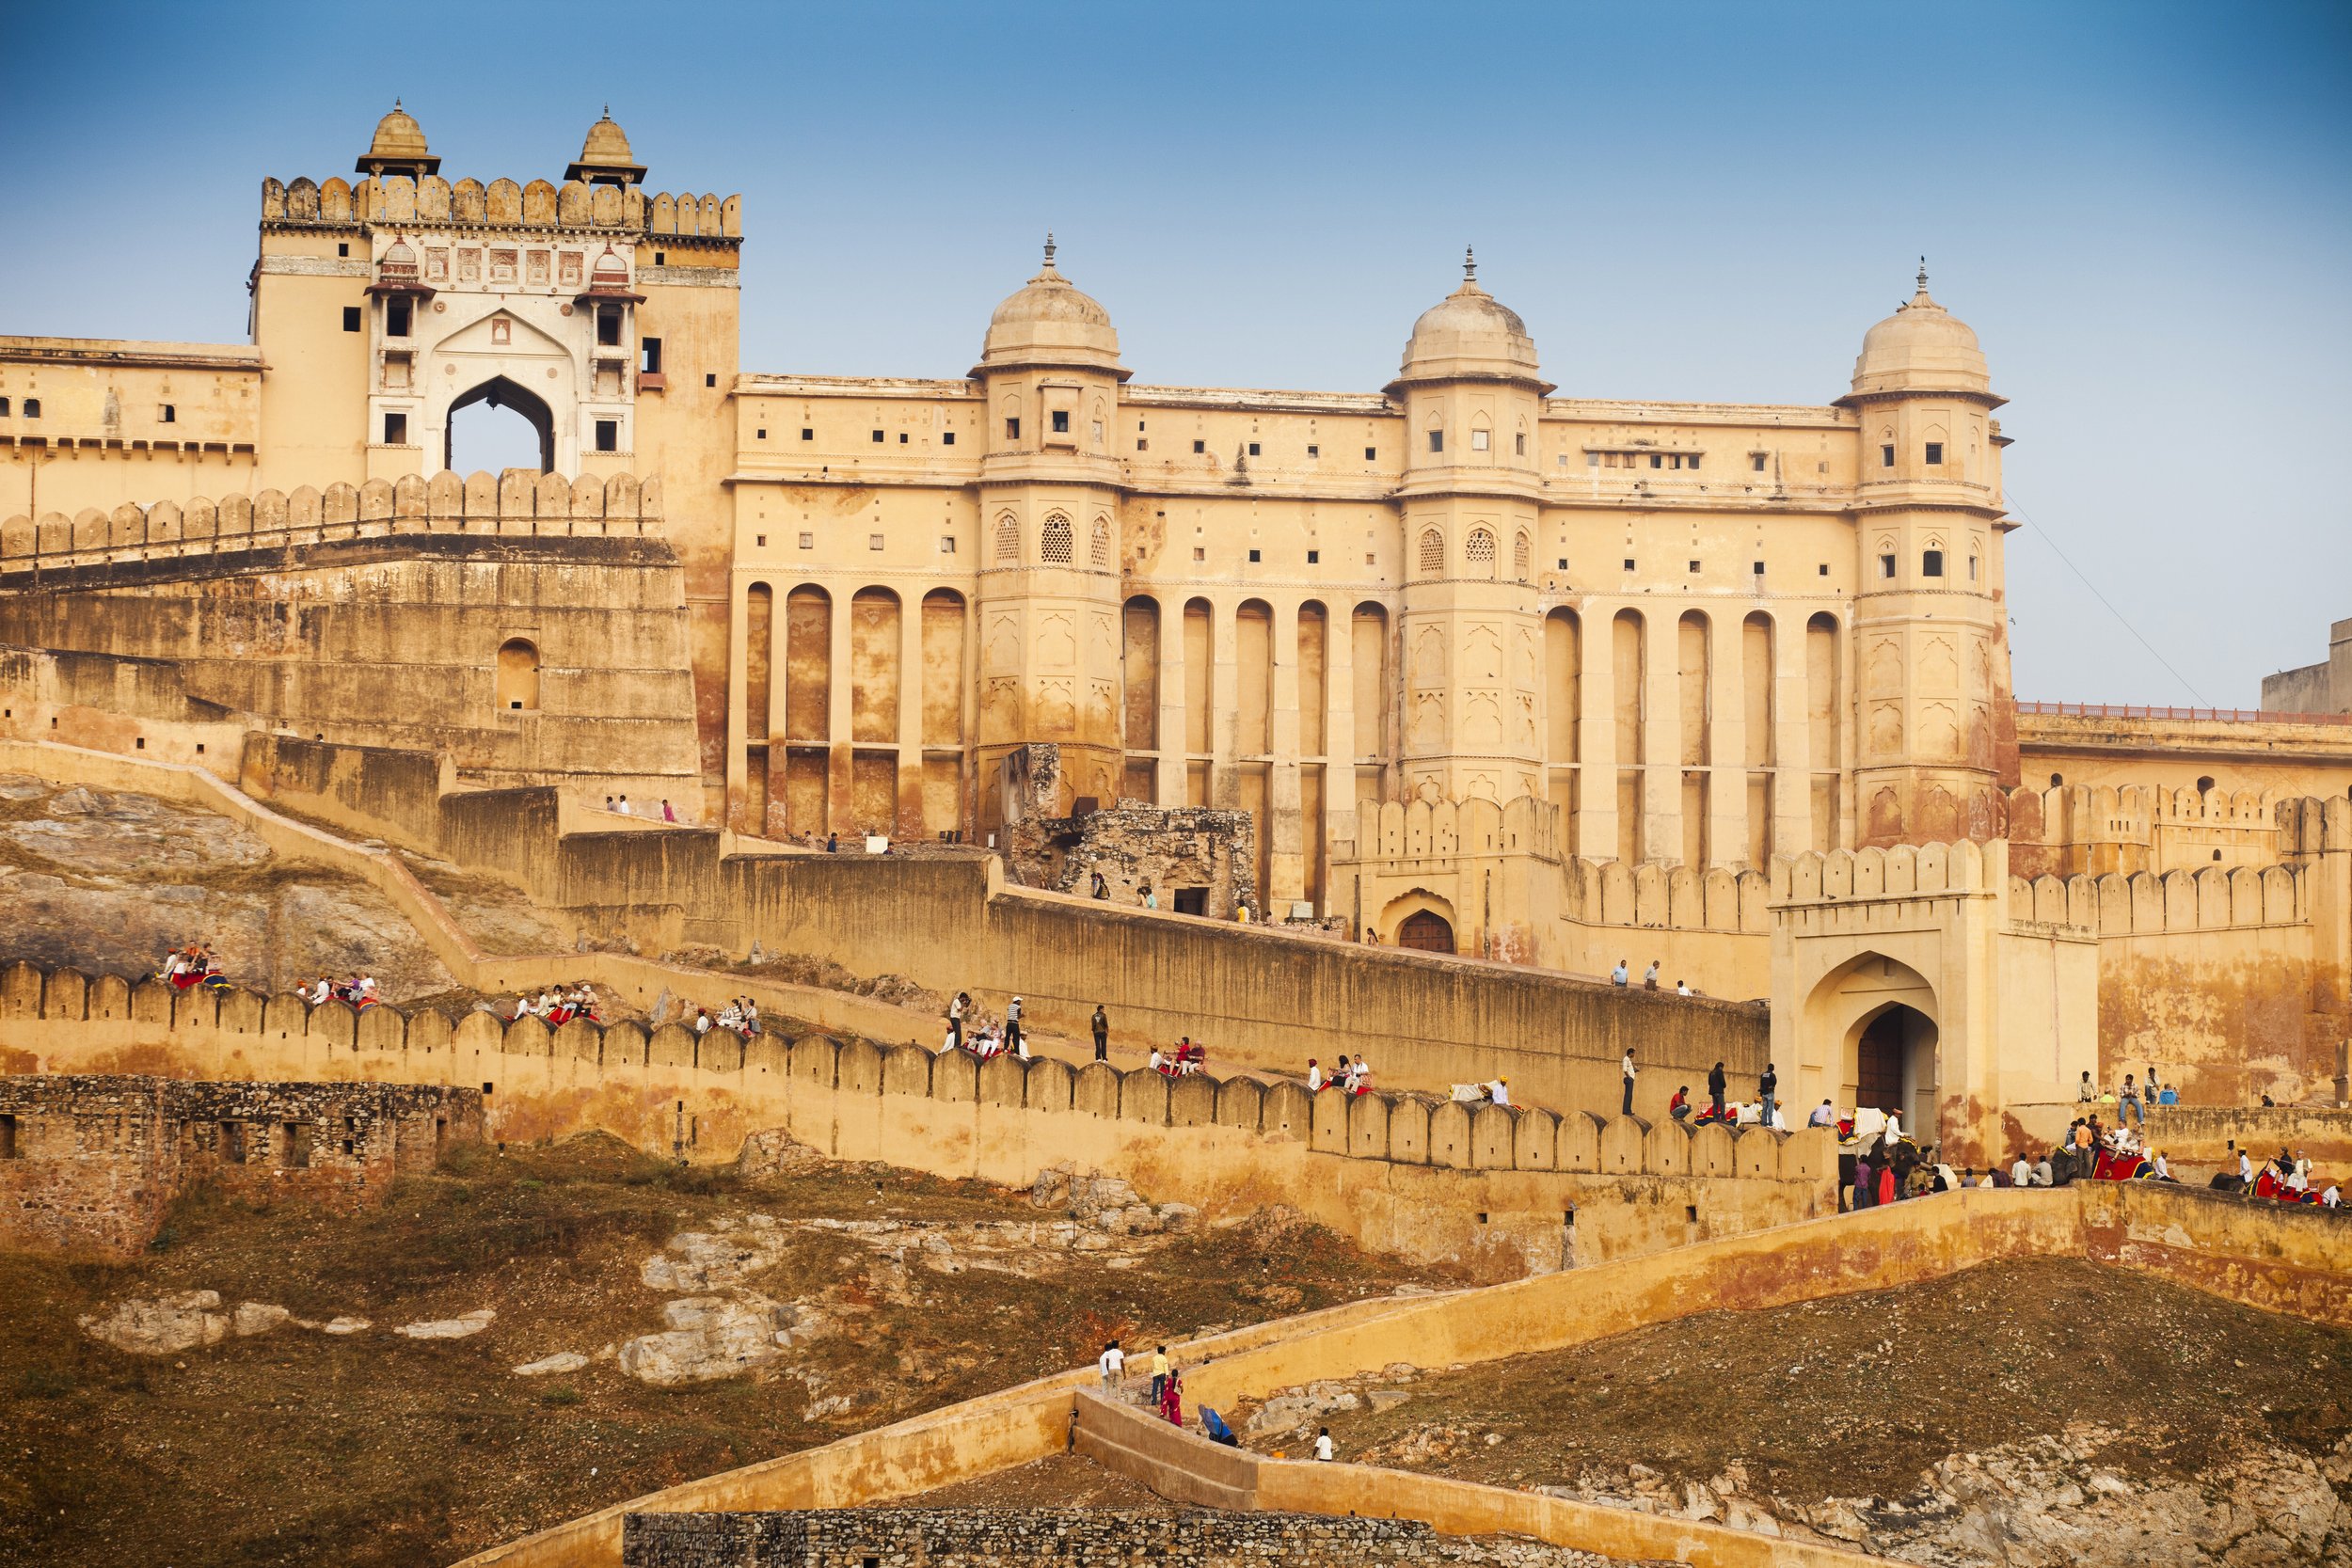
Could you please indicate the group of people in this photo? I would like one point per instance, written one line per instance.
(619, 807)
(2284, 1178)
(556, 1005)
(1763, 1111)
(358, 990)
(193, 965)
(739, 1017)
(1099, 886)
(1623, 975)
(2131, 1098)
(968, 1030)
(1348, 1077)
(1184, 1059)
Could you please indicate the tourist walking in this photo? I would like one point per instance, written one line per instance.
(1111, 1363)
(1101, 1034)
(1159, 1373)
(1620, 974)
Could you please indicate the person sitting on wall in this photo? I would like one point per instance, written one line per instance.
(1362, 1084)
(2162, 1171)
(2021, 1173)
(2171, 1096)
(1157, 1060)
(1682, 988)
(1315, 1075)
(1823, 1116)
(702, 1020)
(1193, 1057)
(750, 1018)
(1679, 1106)
(2332, 1197)
(1498, 1091)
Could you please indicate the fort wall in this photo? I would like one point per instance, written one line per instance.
(1502, 1190)
(89, 1162)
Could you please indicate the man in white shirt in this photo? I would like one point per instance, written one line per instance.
(1314, 1072)
(1682, 988)
(623, 807)
(1626, 1065)
(1499, 1090)
(1622, 974)
(2244, 1169)
(1112, 1363)
(1323, 1445)
(2020, 1174)
(1822, 1116)
(2332, 1198)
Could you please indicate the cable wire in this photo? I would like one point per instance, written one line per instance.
(2051, 540)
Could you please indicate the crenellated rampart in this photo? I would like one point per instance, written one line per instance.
(1505, 1188)
(500, 203)
(518, 502)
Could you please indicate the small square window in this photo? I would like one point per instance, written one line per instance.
(903, 437)
(947, 544)
(1314, 451)
(661, 258)
(1936, 454)
(1142, 444)
(1757, 567)
(342, 248)
(1887, 457)
(873, 541)
(1690, 460)
(808, 541)
(1932, 563)
(807, 435)
(1314, 558)
(1437, 440)
(1657, 460)
(649, 356)
(1371, 560)
(1825, 568)
(711, 378)
(760, 540)
(351, 318)
(948, 439)
(1012, 430)
(1755, 461)
(878, 435)
(1253, 555)
(167, 414)
(32, 409)
(1372, 455)
(3, 408)
(1253, 449)
(1628, 563)
(1518, 444)
(1695, 566)
(1564, 563)
(1886, 565)
(1199, 554)
(763, 434)
(1061, 422)
(1478, 440)
(608, 435)
(1200, 446)
(396, 318)
(395, 430)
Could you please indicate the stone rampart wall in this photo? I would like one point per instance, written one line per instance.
(501, 203)
(1017, 1538)
(88, 1162)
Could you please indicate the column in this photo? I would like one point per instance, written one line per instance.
(911, 822)
(1596, 738)
(1662, 736)
(840, 791)
(1225, 715)
(1339, 734)
(1727, 750)
(1169, 784)
(1792, 738)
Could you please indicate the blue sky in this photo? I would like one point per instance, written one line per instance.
(2142, 208)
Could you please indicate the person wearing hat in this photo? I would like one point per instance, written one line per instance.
(1012, 1029)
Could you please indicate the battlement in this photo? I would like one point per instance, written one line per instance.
(519, 501)
(1907, 870)
(500, 204)
(2146, 903)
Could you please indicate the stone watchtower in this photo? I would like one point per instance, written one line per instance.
(1472, 638)
(1930, 648)
(1048, 595)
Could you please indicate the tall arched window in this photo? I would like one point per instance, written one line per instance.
(1008, 539)
(1101, 544)
(517, 677)
(1432, 552)
(1520, 552)
(1054, 542)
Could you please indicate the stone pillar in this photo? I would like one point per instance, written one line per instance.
(1596, 739)
(1339, 734)
(1169, 784)
(1225, 715)
(1286, 858)
(1793, 739)
(1661, 736)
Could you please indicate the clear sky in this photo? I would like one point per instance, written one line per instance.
(2141, 207)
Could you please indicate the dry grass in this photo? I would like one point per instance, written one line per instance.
(298, 1447)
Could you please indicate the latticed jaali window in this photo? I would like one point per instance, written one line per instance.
(1054, 545)
(1519, 552)
(1481, 548)
(1101, 544)
(1008, 539)
(1432, 551)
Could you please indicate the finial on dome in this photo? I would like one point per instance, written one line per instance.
(1923, 275)
(1049, 248)
(608, 111)
(396, 102)
(1470, 266)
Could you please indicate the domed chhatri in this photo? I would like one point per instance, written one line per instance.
(1921, 348)
(1469, 335)
(398, 148)
(605, 158)
(1049, 319)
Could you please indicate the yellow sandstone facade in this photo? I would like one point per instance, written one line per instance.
(1542, 678)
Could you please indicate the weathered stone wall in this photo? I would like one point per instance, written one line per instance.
(1137, 846)
(90, 1162)
(1015, 1538)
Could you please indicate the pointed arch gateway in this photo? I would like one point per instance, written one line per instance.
(1877, 1018)
(501, 392)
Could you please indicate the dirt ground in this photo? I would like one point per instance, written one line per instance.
(1858, 1396)
(296, 1448)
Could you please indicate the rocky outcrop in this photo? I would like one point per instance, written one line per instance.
(181, 1321)
(711, 1337)
(461, 1327)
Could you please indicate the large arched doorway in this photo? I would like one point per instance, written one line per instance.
(1871, 1022)
(1428, 930)
(1883, 1056)
(488, 444)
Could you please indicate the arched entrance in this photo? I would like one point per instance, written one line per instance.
(1428, 930)
(499, 392)
(1884, 1058)
(1871, 1022)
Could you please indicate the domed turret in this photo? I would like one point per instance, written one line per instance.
(1049, 320)
(397, 273)
(398, 148)
(605, 158)
(1469, 335)
(1921, 348)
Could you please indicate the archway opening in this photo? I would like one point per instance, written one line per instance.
(516, 429)
(1428, 930)
(1895, 1063)
(519, 677)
